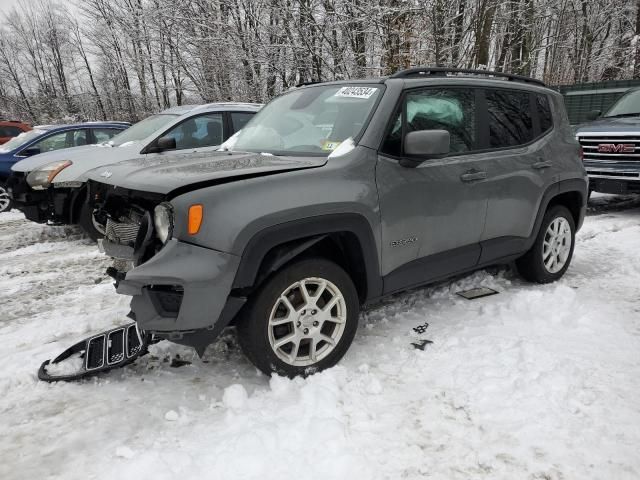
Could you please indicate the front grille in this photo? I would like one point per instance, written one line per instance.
(613, 173)
(609, 148)
(123, 232)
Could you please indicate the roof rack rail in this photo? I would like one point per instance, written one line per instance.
(310, 82)
(443, 71)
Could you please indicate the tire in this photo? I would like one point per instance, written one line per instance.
(303, 322)
(86, 222)
(538, 264)
(6, 204)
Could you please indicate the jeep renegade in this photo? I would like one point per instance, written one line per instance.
(335, 195)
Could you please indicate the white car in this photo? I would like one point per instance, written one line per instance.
(51, 187)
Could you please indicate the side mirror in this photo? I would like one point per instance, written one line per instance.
(425, 144)
(594, 114)
(162, 144)
(29, 152)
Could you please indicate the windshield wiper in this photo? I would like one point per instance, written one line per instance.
(636, 114)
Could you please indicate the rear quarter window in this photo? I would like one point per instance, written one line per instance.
(510, 119)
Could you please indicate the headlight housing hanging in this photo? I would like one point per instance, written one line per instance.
(41, 178)
(163, 221)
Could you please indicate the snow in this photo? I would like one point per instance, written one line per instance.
(535, 382)
(69, 366)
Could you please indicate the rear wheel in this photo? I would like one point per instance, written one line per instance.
(551, 254)
(5, 199)
(302, 320)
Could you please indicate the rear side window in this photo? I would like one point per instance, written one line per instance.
(239, 120)
(510, 120)
(544, 113)
(436, 109)
(104, 134)
(79, 138)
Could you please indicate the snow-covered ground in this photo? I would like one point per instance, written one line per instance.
(538, 382)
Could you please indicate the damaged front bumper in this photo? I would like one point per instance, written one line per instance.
(53, 205)
(183, 293)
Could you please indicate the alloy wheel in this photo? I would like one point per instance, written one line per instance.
(556, 246)
(307, 321)
(5, 201)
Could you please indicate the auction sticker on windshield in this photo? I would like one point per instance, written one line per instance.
(330, 145)
(356, 92)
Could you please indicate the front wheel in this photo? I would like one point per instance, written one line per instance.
(93, 229)
(302, 320)
(551, 254)
(5, 199)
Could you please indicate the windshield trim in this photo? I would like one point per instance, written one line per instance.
(356, 139)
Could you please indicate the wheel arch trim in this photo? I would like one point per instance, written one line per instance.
(307, 232)
(564, 186)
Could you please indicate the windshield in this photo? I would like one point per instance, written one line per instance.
(628, 104)
(142, 129)
(313, 120)
(21, 139)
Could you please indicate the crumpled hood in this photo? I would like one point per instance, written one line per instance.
(168, 172)
(614, 124)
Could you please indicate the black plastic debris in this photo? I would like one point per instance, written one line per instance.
(479, 292)
(420, 329)
(420, 345)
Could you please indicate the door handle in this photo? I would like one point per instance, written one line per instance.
(541, 164)
(473, 176)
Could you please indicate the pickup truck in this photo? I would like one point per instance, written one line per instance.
(611, 146)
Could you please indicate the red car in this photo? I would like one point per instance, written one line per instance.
(10, 129)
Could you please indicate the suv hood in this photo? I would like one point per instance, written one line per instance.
(166, 173)
(613, 124)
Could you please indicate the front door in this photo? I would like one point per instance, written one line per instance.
(432, 215)
(198, 133)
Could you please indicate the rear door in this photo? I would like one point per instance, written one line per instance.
(432, 215)
(519, 165)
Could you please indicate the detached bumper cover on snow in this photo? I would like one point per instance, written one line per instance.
(114, 348)
(183, 288)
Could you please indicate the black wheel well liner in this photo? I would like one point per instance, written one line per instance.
(78, 198)
(572, 200)
(571, 193)
(345, 238)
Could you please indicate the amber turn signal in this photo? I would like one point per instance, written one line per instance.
(195, 218)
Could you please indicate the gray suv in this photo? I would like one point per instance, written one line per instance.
(335, 195)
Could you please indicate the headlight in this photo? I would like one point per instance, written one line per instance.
(163, 221)
(42, 177)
